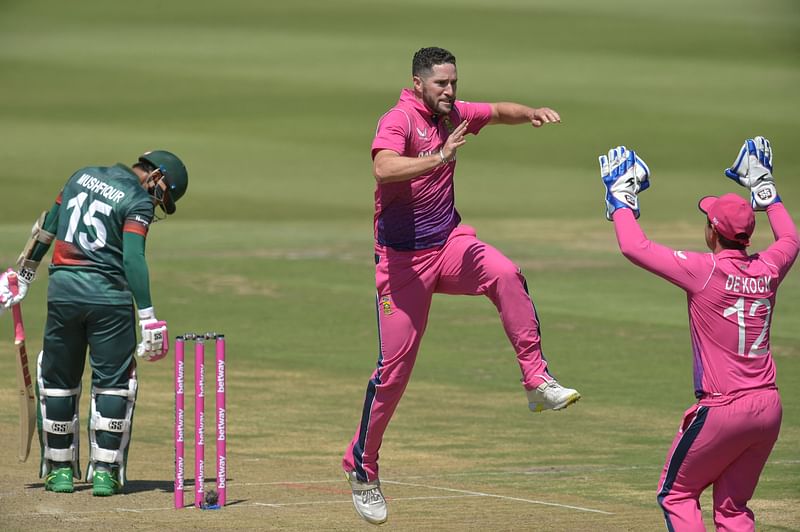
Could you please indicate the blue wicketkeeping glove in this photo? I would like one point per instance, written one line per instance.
(753, 169)
(624, 175)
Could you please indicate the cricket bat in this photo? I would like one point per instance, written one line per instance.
(27, 404)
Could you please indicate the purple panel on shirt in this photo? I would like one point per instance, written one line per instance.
(420, 213)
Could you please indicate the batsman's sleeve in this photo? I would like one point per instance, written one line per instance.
(690, 271)
(136, 271)
(783, 251)
(51, 226)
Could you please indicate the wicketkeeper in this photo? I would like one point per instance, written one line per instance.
(99, 223)
(724, 439)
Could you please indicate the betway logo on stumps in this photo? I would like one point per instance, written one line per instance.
(220, 424)
(221, 468)
(179, 432)
(179, 481)
(200, 385)
(220, 376)
(179, 379)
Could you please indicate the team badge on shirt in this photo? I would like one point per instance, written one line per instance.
(386, 305)
(448, 124)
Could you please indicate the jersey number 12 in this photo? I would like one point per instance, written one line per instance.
(738, 309)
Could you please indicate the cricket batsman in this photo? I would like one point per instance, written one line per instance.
(99, 224)
(724, 439)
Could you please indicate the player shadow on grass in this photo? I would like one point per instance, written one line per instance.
(167, 486)
(132, 486)
(140, 486)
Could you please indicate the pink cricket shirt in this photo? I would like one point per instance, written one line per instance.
(420, 213)
(731, 298)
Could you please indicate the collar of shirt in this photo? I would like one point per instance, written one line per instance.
(125, 168)
(738, 256)
(732, 254)
(408, 97)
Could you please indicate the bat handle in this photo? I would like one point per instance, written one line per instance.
(16, 311)
(13, 283)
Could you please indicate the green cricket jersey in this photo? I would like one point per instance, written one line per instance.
(96, 206)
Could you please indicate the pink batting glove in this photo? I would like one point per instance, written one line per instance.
(155, 341)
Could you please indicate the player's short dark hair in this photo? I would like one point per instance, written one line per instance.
(425, 59)
(727, 243)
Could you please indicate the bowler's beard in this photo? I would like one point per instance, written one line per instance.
(437, 107)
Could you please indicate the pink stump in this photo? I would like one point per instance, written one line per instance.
(222, 465)
(179, 422)
(199, 412)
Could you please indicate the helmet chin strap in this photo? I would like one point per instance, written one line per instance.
(156, 192)
(158, 216)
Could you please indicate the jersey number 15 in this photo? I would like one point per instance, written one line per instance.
(89, 220)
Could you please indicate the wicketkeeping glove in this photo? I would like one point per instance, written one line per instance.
(624, 175)
(753, 169)
(155, 338)
(9, 295)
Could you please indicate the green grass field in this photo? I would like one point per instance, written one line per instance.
(273, 106)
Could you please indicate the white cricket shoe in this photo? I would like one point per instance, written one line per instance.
(551, 396)
(368, 499)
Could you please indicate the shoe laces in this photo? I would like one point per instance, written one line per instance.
(60, 472)
(106, 476)
(371, 496)
(552, 387)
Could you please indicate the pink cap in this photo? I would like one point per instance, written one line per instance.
(731, 215)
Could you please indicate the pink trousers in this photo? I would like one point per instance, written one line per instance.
(406, 282)
(724, 446)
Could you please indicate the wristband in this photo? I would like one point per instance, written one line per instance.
(441, 155)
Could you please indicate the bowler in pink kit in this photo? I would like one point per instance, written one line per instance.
(421, 248)
(725, 438)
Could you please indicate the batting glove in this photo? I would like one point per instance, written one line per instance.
(624, 175)
(5, 291)
(13, 289)
(155, 338)
(753, 169)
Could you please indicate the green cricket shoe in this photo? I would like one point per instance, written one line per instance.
(105, 484)
(59, 480)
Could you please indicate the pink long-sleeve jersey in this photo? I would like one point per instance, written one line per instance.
(731, 297)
